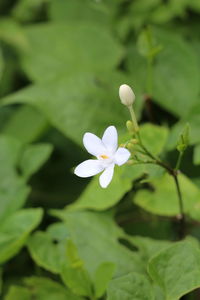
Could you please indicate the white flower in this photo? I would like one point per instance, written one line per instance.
(126, 95)
(107, 153)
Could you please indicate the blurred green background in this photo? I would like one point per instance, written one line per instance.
(61, 65)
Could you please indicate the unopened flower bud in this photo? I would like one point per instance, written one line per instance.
(130, 147)
(130, 162)
(122, 145)
(126, 95)
(134, 141)
(130, 127)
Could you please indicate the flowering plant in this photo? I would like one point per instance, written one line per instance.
(99, 198)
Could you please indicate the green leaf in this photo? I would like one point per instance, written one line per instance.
(64, 100)
(140, 11)
(179, 127)
(27, 10)
(18, 293)
(1, 64)
(1, 280)
(98, 243)
(195, 5)
(13, 191)
(49, 289)
(193, 119)
(148, 247)
(147, 45)
(72, 255)
(129, 287)
(40, 288)
(95, 12)
(163, 200)
(35, 124)
(54, 251)
(176, 270)
(33, 157)
(84, 47)
(11, 32)
(103, 275)
(154, 137)
(48, 249)
(10, 149)
(15, 231)
(77, 279)
(176, 79)
(13, 188)
(94, 197)
(196, 157)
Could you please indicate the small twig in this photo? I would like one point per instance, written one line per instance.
(174, 174)
(182, 215)
(179, 161)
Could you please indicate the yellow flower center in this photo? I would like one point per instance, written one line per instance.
(104, 156)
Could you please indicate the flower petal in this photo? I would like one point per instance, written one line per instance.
(93, 144)
(121, 156)
(106, 176)
(110, 138)
(88, 168)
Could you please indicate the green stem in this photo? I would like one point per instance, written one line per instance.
(179, 161)
(144, 162)
(142, 152)
(133, 117)
(144, 148)
(182, 216)
(174, 174)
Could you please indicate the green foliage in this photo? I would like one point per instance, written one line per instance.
(63, 104)
(77, 279)
(1, 64)
(12, 33)
(196, 158)
(13, 187)
(18, 292)
(162, 200)
(1, 281)
(103, 275)
(27, 10)
(176, 270)
(15, 231)
(47, 254)
(33, 157)
(155, 137)
(96, 12)
(104, 198)
(13, 191)
(61, 65)
(35, 125)
(62, 61)
(103, 236)
(179, 95)
(175, 79)
(147, 47)
(40, 288)
(130, 286)
(148, 247)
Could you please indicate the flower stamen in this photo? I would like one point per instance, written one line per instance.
(104, 156)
